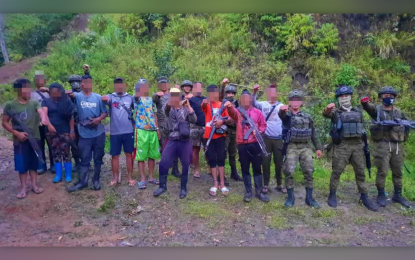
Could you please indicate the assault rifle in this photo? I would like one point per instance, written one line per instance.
(217, 116)
(396, 122)
(367, 153)
(253, 128)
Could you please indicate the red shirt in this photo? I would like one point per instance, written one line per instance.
(208, 118)
(256, 116)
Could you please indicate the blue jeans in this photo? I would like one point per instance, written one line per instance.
(89, 147)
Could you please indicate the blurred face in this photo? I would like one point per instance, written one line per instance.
(295, 103)
(120, 88)
(144, 90)
(197, 89)
(87, 85)
(25, 92)
(213, 95)
(163, 86)
(187, 89)
(175, 99)
(246, 100)
(39, 81)
(55, 93)
(272, 94)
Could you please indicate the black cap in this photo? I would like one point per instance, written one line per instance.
(86, 77)
(162, 79)
(20, 83)
(119, 80)
(212, 88)
(245, 92)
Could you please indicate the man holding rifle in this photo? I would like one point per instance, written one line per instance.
(389, 151)
(250, 125)
(25, 115)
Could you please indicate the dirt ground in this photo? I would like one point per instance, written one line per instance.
(125, 216)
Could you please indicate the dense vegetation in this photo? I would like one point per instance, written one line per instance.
(311, 52)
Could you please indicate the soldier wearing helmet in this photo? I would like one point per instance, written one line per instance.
(389, 151)
(187, 87)
(299, 132)
(347, 132)
(75, 82)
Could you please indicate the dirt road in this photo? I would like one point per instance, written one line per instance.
(125, 216)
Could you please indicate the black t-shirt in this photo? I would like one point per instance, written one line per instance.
(58, 120)
(196, 104)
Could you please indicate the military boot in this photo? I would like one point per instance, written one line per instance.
(332, 200)
(368, 203)
(289, 202)
(248, 187)
(381, 199)
(162, 186)
(83, 179)
(95, 178)
(175, 170)
(234, 174)
(397, 197)
(258, 189)
(309, 200)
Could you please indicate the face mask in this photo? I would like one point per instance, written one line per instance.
(76, 86)
(388, 101)
(345, 102)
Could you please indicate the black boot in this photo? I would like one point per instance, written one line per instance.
(290, 201)
(368, 203)
(397, 197)
(332, 200)
(175, 170)
(248, 187)
(95, 178)
(183, 193)
(258, 189)
(83, 176)
(381, 197)
(234, 174)
(309, 200)
(162, 186)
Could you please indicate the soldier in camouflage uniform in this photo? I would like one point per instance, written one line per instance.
(299, 128)
(347, 132)
(75, 82)
(389, 151)
(230, 92)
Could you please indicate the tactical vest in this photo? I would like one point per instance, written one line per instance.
(351, 124)
(300, 131)
(388, 133)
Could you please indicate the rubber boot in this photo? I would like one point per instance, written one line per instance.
(42, 169)
(290, 201)
(183, 186)
(397, 197)
(248, 187)
(381, 199)
(258, 189)
(58, 176)
(309, 200)
(175, 170)
(368, 203)
(83, 179)
(234, 174)
(96, 185)
(332, 200)
(68, 172)
(183, 192)
(162, 186)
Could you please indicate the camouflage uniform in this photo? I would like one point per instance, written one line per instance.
(350, 150)
(388, 153)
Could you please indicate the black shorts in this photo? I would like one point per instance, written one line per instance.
(125, 141)
(216, 152)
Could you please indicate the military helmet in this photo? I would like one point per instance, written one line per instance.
(73, 78)
(343, 90)
(186, 82)
(295, 93)
(230, 88)
(387, 90)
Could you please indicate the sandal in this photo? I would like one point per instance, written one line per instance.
(142, 185)
(38, 190)
(213, 191)
(113, 183)
(21, 195)
(281, 189)
(265, 189)
(225, 191)
(132, 183)
(154, 181)
(196, 175)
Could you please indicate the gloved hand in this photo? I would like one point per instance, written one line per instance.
(364, 100)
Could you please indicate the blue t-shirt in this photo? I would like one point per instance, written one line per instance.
(88, 108)
(196, 104)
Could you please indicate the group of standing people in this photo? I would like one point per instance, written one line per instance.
(175, 123)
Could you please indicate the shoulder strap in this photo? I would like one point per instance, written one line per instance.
(41, 95)
(270, 112)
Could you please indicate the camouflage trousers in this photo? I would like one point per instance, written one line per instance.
(61, 147)
(231, 148)
(349, 151)
(389, 155)
(302, 153)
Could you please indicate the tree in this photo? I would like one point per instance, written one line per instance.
(2, 41)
